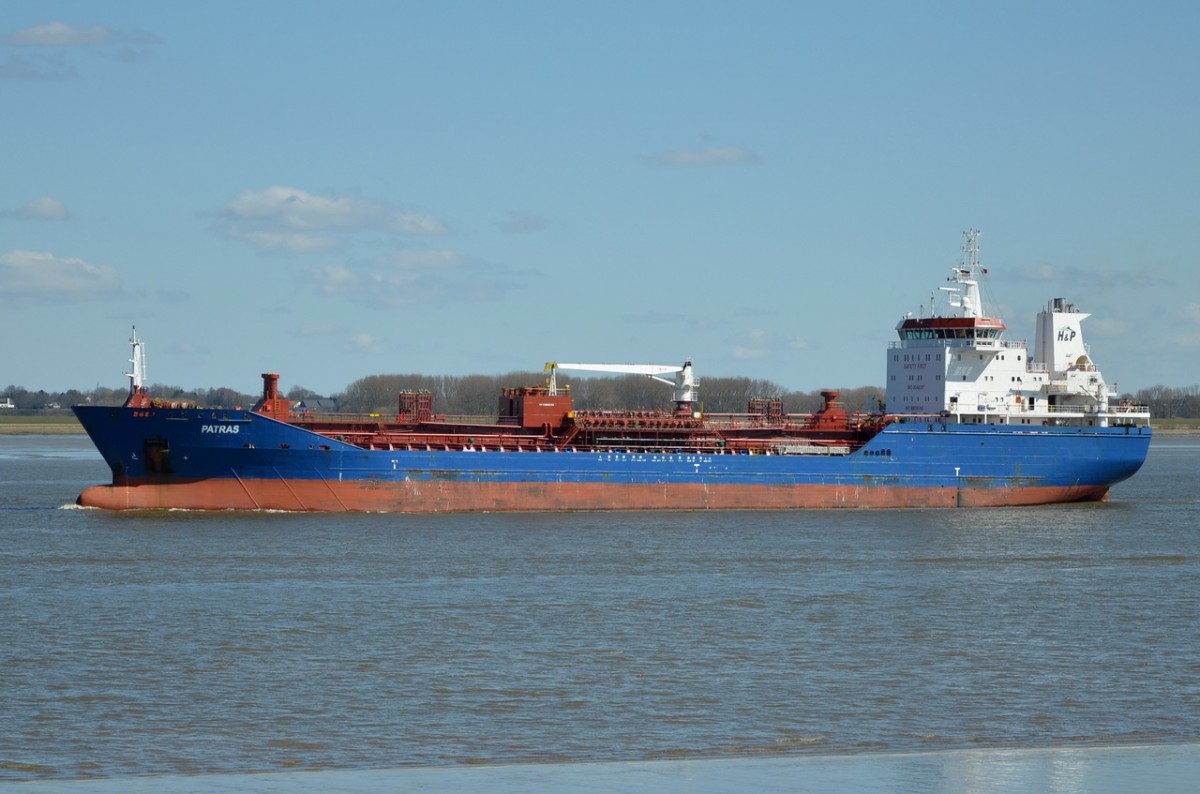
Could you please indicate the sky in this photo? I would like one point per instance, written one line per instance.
(336, 190)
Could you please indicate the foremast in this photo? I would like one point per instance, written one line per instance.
(139, 394)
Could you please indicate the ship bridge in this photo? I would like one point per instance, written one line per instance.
(943, 329)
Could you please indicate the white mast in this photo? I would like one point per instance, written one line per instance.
(137, 378)
(966, 275)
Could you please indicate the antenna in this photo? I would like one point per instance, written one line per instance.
(965, 294)
(971, 249)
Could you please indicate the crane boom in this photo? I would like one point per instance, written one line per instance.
(684, 383)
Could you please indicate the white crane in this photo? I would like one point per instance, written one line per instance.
(684, 383)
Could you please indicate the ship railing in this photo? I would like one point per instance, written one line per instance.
(373, 419)
(740, 421)
(635, 420)
(467, 419)
(1124, 408)
(1073, 409)
(922, 419)
(1129, 407)
(345, 417)
(1014, 344)
(855, 420)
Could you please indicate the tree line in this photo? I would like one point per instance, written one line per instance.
(478, 395)
(471, 395)
(475, 395)
(27, 400)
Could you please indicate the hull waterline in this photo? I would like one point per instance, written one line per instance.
(309, 496)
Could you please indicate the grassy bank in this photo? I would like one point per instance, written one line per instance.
(1175, 425)
(39, 425)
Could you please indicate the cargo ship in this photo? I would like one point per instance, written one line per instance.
(970, 419)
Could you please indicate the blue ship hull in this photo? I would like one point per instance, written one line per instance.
(239, 459)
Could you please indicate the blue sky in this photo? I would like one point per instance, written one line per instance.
(335, 190)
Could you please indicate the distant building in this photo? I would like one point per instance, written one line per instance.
(316, 406)
(7, 403)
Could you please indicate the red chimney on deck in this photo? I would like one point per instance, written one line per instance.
(271, 403)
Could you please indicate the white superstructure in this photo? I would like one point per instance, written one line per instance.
(956, 365)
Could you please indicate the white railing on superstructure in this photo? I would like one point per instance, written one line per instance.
(1018, 344)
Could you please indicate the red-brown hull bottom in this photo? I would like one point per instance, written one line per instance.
(434, 497)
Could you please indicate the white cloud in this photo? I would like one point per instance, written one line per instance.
(295, 242)
(285, 218)
(62, 34)
(522, 222)
(416, 223)
(318, 329)
(36, 69)
(366, 341)
(1040, 273)
(41, 274)
(48, 47)
(293, 208)
(335, 278)
(396, 289)
(756, 345)
(1106, 326)
(43, 208)
(412, 277)
(726, 155)
(422, 260)
(1120, 278)
(759, 343)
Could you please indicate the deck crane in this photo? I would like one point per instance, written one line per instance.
(684, 383)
